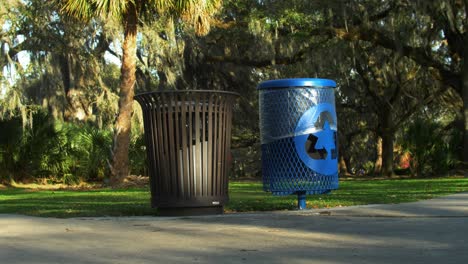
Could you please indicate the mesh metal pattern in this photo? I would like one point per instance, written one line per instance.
(281, 109)
(283, 170)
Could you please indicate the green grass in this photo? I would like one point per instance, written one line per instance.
(249, 196)
(244, 196)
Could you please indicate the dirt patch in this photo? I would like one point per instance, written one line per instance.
(132, 181)
(55, 186)
(135, 181)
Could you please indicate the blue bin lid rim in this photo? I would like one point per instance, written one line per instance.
(297, 82)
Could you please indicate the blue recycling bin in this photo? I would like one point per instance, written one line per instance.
(298, 127)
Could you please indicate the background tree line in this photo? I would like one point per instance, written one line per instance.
(64, 104)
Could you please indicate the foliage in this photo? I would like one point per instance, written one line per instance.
(432, 147)
(51, 149)
(196, 13)
(369, 168)
(390, 58)
(10, 140)
(91, 149)
(137, 154)
(244, 196)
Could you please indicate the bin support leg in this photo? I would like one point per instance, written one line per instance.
(301, 200)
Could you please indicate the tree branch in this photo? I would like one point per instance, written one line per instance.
(381, 15)
(277, 60)
(377, 38)
(420, 103)
(367, 83)
(102, 46)
(113, 52)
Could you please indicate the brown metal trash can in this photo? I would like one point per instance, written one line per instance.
(188, 141)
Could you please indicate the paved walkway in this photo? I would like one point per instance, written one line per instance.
(433, 231)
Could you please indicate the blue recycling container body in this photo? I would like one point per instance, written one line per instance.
(298, 127)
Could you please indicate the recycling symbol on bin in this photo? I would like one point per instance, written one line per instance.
(315, 139)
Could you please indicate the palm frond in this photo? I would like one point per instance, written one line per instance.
(81, 9)
(162, 6)
(199, 13)
(87, 9)
(114, 8)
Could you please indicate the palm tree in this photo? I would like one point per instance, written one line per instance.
(195, 12)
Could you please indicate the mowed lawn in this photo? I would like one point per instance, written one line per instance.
(244, 197)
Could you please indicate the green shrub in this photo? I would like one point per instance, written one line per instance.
(66, 152)
(445, 155)
(431, 146)
(91, 149)
(369, 168)
(10, 147)
(137, 155)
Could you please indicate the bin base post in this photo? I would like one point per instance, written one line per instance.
(190, 211)
(301, 200)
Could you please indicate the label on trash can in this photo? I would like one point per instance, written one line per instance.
(215, 203)
(315, 139)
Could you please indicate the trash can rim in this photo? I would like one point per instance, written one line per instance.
(185, 91)
(297, 82)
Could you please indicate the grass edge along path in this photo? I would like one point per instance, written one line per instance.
(244, 197)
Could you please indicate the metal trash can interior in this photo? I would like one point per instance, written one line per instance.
(188, 138)
(298, 126)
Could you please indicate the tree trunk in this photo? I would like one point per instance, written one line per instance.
(387, 154)
(349, 166)
(387, 134)
(122, 129)
(378, 161)
(343, 168)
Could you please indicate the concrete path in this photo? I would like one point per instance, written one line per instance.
(433, 231)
